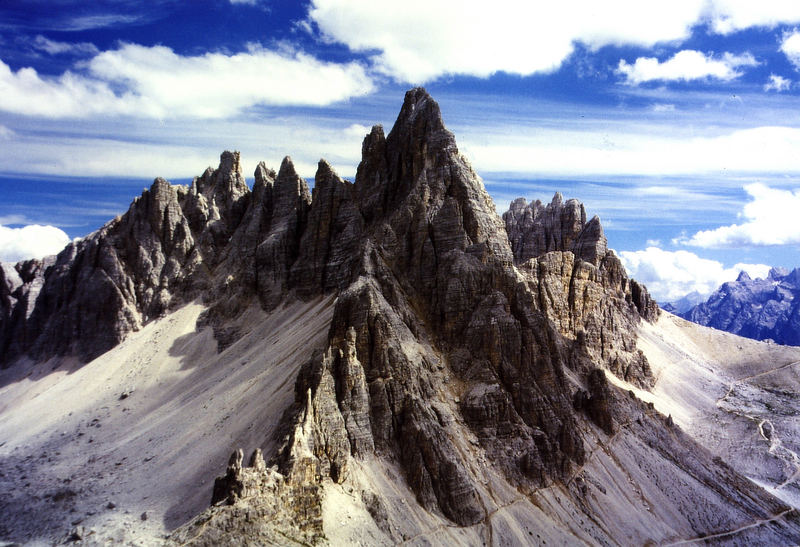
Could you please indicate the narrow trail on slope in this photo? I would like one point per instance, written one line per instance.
(739, 530)
(744, 379)
(776, 447)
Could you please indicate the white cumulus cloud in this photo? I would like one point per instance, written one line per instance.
(777, 83)
(671, 275)
(32, 241)
(727, 16)
(157, 82)
(421, 40)
(685, 65)
(790, 46)
(770, 218)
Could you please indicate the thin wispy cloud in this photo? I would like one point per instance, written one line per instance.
(55, 47)
(97, 21)
(663, 107)
(184, 150)
(14, 219)
(630, 152)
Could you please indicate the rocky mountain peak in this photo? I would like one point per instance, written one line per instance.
(264, 181)
(755, 308)
(289, 187)
(456, 356)
(419, 147)
(777, 273)
(435, 337)
(420, 117)
(534, 229)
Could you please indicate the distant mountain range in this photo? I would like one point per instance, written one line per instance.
(684, 304)
(762, 309)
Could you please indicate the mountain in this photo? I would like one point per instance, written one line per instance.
(683, 304)
(761, 309)
(397, 362)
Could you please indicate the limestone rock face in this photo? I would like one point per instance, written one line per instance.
(432, 299)
(287, 209)
(581, 285)
(596, 402)
(461, 345)
(257, 505)
(158, 254)
(435, 338)
(20, 285)
(329, 245)
(535, 229)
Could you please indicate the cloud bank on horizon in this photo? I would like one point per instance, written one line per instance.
(671, 275)
(695, 97)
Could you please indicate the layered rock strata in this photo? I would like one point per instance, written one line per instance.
(434, 312)
(429, 308)
(580, 285)
(454, 333)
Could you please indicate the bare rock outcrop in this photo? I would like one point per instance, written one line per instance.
(535, 229)
(158, 254)
(580, 285)
(256, 504)
(455, 338)
(432, 298)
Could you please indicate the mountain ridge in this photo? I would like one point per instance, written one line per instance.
(466, 358)
(761, 309)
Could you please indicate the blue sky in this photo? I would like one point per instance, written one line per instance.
(677, 122)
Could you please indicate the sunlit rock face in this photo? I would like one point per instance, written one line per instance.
(761, 309)
(469, 361)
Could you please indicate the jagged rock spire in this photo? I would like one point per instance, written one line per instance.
(534, 229)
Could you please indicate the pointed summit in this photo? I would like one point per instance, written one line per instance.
(419, 105)
(289, 187)
(777, 273)
(420, 121)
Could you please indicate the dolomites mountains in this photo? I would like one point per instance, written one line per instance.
(762, 309)
(387, 361)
